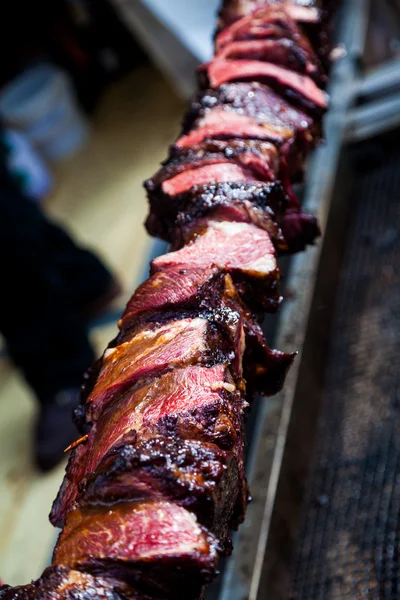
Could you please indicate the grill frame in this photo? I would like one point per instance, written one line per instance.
(348, 543)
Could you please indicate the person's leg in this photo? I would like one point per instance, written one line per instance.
(84, 276)
(44, 332)
(45, 336)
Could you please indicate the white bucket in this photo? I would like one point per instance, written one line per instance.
(23, 162)
(41, 103)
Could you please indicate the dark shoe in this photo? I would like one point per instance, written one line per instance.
(55, 429)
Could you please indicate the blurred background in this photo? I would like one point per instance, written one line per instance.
(91, 94)
(90, 97)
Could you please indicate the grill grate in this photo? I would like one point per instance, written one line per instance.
(349, 540)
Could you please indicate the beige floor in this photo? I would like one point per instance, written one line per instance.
(99, 196)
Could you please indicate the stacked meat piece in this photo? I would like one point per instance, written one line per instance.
(157, 479)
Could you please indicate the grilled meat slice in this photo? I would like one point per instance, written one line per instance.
(59, 583)
(175, 287)
(251, 111)
(196, 475)
(276, 22)
(156, 546)
(283, 51)
(275, 19)
(194, 403)
(192, 290)
(221, 124)
(265, 369)
(259, 157)
(296, 88)
(149, 352)
(240, 249)
(271, 22)
(214, 173)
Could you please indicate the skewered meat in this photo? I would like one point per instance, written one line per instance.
(158, 478)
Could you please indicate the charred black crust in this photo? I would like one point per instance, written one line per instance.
(169, 215)
(56, 583)
(170, 579)
(244, 97)
(209, 150)
(207, 472)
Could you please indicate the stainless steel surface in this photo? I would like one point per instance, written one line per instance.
(382, 80)
(372, 119)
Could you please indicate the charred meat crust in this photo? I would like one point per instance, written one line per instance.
(289, 129)
(198, 476)
(58, 583)
(254, 100)
(263, 204)
(168, 215)
(198, 403)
